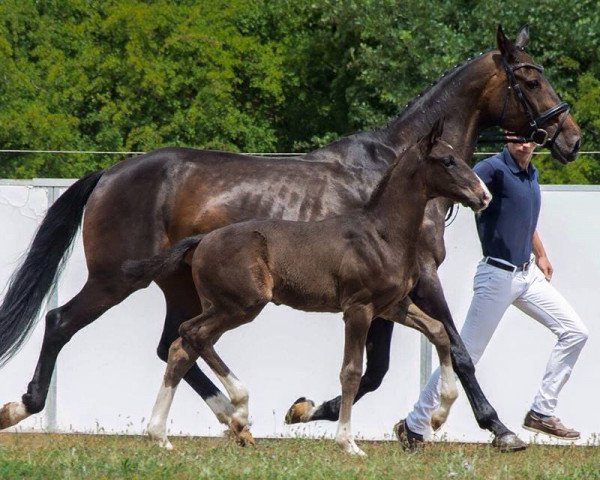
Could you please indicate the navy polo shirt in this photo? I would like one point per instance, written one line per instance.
(507, 225)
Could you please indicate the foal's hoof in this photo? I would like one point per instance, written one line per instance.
(241, 434)
(437, 421)
(300, 411)
(508, 442)
(409, 440)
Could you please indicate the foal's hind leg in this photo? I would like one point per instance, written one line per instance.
(182, 304)
(96, 297)
(407, 313)
(181, 358)
(202, 334)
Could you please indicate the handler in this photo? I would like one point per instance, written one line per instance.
(508, 275)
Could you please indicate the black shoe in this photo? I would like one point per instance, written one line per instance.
(409, 440)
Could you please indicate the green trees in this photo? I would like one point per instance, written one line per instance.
(256, 75)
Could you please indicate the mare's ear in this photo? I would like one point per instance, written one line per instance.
(505, 46)
(522, 37)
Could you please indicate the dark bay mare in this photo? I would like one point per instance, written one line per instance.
(145, 204)
(363, 263)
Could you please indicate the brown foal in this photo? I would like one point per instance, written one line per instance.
(363, 264)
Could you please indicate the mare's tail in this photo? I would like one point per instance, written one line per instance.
(47, 254)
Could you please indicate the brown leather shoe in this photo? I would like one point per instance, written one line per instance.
(409, 440)
(550, 426)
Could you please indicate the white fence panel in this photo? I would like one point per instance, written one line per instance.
(109, 374)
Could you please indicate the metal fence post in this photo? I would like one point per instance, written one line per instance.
(52, 194)
(425, 368)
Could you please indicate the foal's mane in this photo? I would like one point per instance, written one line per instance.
(382, 184)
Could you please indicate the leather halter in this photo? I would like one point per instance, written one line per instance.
(535, 133)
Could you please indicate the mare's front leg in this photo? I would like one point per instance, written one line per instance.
(357, 320)
(378, 359)
(429, 297)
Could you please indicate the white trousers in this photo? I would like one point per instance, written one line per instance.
(494, 290)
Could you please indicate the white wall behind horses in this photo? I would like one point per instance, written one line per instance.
(108, 375)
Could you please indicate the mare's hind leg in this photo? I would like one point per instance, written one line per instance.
(96, 297)
(407, 313)
(182, 304)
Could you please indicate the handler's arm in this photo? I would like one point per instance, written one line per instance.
(541, 259)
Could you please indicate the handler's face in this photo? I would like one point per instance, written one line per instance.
(521, 152)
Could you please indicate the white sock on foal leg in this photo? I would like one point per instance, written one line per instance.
(157, 426)
(345, 440)
(448, 395)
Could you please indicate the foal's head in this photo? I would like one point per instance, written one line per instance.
(446, 174)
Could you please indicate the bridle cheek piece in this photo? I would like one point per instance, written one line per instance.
(536, 133)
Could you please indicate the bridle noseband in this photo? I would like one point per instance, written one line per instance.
(536, 133)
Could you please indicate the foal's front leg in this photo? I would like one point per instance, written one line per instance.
(357, 320)
(429, 296)
(407, 313)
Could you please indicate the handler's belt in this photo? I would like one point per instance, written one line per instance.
(504, 266)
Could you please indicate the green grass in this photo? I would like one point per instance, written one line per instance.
(49, 456)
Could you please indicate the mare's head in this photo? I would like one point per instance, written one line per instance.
(446, 174)
(522, 100)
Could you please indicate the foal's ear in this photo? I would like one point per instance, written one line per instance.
(437, 130)
(505, 46)
(429, 140)
(522, 37)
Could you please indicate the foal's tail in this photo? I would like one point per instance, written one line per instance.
(47, 254)
(146, 270)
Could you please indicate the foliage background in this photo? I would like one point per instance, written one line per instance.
(258, 75)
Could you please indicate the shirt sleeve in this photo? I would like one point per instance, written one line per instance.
(485, 171)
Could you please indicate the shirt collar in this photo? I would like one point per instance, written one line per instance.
(513, 166)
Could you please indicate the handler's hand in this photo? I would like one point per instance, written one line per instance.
(545, 266)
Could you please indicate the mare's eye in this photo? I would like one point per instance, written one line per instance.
(448, 161)
(532, 84)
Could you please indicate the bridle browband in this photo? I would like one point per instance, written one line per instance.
(536, 133)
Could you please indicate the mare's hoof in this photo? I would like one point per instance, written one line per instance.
(12, 413)
(409, 440)
(508, 442)
(300, 411)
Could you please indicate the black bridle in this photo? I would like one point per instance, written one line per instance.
(535, 133)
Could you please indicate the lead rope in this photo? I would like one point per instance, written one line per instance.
(453, 212)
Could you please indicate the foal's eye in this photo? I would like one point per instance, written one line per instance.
(532, 84)
(448, 161)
